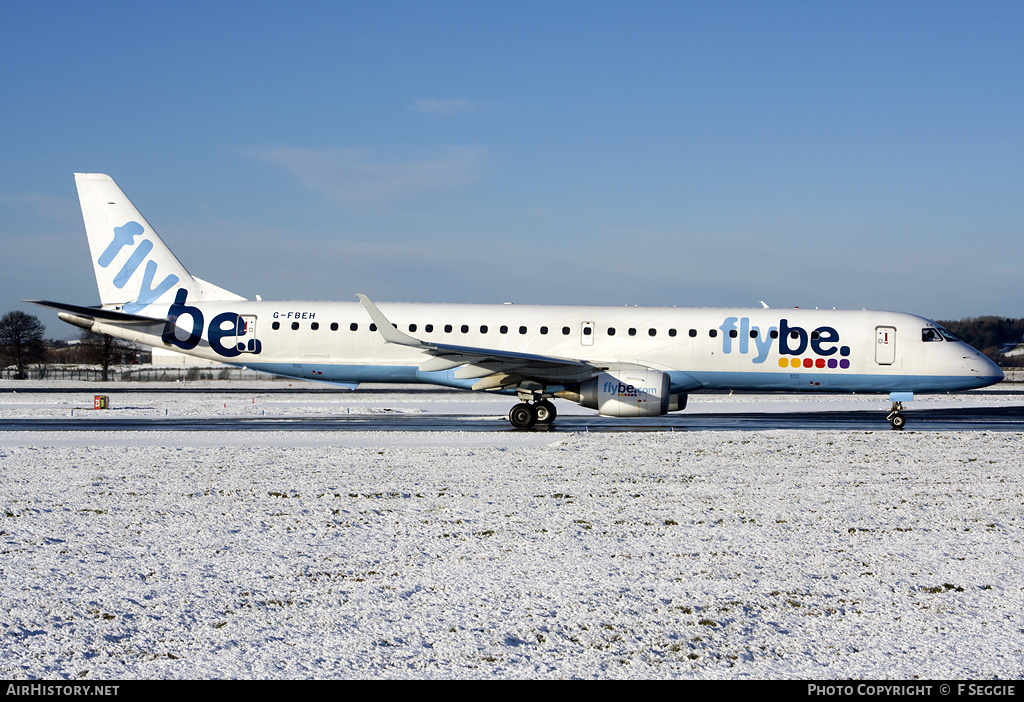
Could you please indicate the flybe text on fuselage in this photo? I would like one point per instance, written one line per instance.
(818, 347)
(222, 333)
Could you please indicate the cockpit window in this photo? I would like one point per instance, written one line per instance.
(938, 333)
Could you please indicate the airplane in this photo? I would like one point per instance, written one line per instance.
(621, 361)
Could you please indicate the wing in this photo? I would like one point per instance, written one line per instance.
(495, 368)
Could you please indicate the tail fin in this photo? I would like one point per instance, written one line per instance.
(134, 268)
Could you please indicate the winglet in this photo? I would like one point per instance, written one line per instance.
(386, 328)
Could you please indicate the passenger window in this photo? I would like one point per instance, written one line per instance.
(483, 328)
(464, 328)
(733, 333)
(428, 328)
(774, 333)
(671, 332)
(753, 333)
(447, 328)
(565, 331)
(275, 325)
(334, 326)
(295, 325)
(587, 331)
(314, 325)
(503, 329)
(632, 331)
(543, 330)
(652, 332)
(353, 327)
(373, 327)
(693, 333)
(522, 330)
(712, 333)
(412, 327)
(611, 331)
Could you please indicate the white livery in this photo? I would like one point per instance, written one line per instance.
(620, 361)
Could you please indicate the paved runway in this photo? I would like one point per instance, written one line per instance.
(964, 419)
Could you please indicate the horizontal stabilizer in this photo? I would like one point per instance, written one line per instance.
(98, 313)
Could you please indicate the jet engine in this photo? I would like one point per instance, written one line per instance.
(628, 393)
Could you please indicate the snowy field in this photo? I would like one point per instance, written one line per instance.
(774, 554)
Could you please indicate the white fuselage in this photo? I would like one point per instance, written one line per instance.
(699, 348)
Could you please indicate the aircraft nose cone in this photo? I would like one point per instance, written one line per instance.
(983, 367)
(996, 371)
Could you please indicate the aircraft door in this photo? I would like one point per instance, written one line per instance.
(245, 334)
(587, 334)
(885, 345)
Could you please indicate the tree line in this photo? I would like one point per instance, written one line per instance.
(23, 344)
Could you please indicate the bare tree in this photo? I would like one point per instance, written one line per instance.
(105, 351)
(21, 340)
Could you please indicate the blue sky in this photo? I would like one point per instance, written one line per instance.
(821, 154)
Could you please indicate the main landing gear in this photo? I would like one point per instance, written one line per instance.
(525, 414)
(897, 420)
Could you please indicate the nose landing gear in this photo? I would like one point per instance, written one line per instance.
(897, 420)
(525, 415)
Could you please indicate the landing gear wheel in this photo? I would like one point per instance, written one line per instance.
(897, 420)
(545, 412)
(521, 416)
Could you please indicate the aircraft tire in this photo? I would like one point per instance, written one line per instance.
(545, 412)
(898, 421)
(521, 416)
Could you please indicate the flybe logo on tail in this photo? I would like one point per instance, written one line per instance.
(124, 236)
(223, 333)
(819, 347)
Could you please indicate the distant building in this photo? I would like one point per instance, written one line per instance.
(167, 357)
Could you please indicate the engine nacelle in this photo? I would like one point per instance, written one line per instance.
(631, 393)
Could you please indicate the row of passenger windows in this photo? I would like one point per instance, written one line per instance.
(587, 331)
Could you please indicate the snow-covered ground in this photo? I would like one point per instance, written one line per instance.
(774, 554)
(273, 399)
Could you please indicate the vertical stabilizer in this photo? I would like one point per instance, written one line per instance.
(133, 266)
